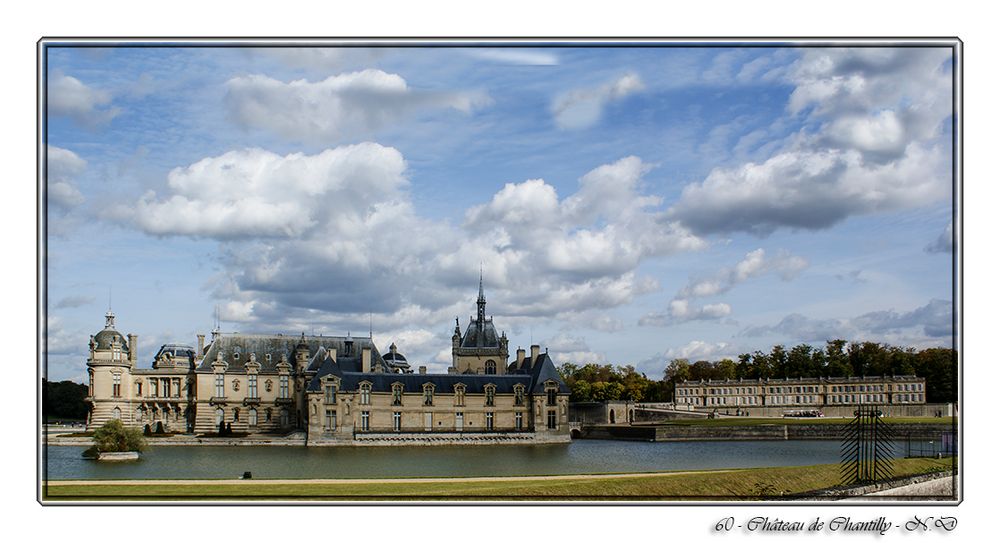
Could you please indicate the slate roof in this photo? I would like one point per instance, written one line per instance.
(103, 339)
(176, 350)
(532, 376)
(485, 338)
(276, 345)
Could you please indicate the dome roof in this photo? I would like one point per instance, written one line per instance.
(390, 356)
(105, 337)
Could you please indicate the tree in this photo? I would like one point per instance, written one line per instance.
(580, 391)
(64, 400)
(115, 437)
(725, 369)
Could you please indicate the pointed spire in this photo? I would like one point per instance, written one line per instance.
(482, 297)
(481, 302)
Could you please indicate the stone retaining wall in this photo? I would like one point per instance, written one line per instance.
(764, 432)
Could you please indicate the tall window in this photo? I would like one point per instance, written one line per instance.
(138, 388)
(518, 394)
(366, 394)
(252, 417)
(331, 419)
(489, 420)
(219, 416)
(552, 419)
(90, 386)
(459, 395)
(330, 393)
(518, 421)
(116, 413)
(550, 395)
(428, 394)
(252, 385)
(365, 416)
(396, 421)
(397, 394)
(283, 390)
(490, 368)
(284, 418)
(490, 395)
(236, 414)
(116, 386)
(220, 386)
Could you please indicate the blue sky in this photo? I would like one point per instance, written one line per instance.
(628, 205)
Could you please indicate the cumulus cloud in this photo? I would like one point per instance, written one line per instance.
(319, 241)
(929, 323)
(582, 108)
(318, 58)
(754, 264)
(62, 167)
(524, 57)
(679, 311)
(69, 97)
(257, 193)
(878, 146)
(345, 106)
(944, 243)
(700, 350)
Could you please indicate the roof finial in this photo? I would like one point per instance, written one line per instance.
(370, 326)
(481, 295)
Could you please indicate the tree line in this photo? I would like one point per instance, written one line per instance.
(839, 358)
(64, 400)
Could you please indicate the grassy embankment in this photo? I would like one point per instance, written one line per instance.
(709, 485)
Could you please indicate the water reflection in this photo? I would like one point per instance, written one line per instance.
(584, 456)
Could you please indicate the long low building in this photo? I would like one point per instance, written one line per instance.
(803, 392)
(335, 390)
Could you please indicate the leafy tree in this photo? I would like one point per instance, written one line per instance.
(115, 437)
(580, 391)
(725, 369)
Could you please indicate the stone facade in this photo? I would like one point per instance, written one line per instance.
(806, 393)
(334, 390)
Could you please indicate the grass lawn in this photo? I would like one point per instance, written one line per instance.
(752, 421)
(714, 485)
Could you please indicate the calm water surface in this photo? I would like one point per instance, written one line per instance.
(582, 456)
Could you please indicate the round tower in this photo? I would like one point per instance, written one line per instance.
(109, 369)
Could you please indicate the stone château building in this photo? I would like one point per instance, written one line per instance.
(331, 390)
(804, 392)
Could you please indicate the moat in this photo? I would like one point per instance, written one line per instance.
(578, 457)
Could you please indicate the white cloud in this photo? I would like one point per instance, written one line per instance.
(74, 301)
(944, 243)
(582, 108)
(878, 146)
(321, 240)
(700, 350)
(256, 193)
(87, 106)
(63, 166)
(319, 58)
(754, 264)
(930, 324)
(526, 57)
(341, 107)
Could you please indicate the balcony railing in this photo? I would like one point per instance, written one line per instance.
(251, 401)
(281, 401)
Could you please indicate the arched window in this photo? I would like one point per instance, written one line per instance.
(236, 414)
(428, 394)
(397, 394)
(490, 395)
(219, 416)
(138, 414)
(116, 413)
(252, 417)
(284, 418)
(519, 394)
(490, 367)
(459, 395)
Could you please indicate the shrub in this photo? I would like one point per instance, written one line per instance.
(115, 437)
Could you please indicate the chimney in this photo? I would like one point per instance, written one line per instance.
(133, 341)
(423, 370)
(520, 358)
(534, 353)
(366, 360)
(452, 369)
(201, 346)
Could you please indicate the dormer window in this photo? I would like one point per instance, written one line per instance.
(428, 394)
(518, 394)
(397, 394)
(460, 395)
(490, 395)
(267, 357)
(366, 393)
(236, 354)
